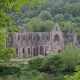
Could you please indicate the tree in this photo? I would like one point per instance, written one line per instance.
(52, 62)
(70, 57)
(48, 25)
(58, 18)
(68, 17)
(5, 21)
(76, 75)
(45, 15)
(36, 24)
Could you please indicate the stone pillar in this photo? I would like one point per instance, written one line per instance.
(44, 51)
(31, 51)
(38, 50)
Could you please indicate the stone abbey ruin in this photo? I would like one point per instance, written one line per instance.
(29, 44)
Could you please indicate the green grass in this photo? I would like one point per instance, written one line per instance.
(20, 59)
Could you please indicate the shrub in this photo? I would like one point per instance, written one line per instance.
(8, 70)
(52, 62)
(35, 63)
(70, 57)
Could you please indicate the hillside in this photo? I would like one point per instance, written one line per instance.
(42, 17)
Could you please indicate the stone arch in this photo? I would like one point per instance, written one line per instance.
(56, 38)
(57, 46)
(41, 50)
(18, 37)
(23, 51)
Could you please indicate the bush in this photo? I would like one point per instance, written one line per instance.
(35, 63)
(7, 70)
(52, 62)
(70, 57)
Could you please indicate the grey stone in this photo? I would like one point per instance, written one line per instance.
(29, 44)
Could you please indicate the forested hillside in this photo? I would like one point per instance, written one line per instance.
(42, 17)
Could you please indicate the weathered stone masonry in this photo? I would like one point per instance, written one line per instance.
(29, 44)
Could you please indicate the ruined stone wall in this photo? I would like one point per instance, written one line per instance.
(29, 44)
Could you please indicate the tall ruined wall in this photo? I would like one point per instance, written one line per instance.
(29, 44)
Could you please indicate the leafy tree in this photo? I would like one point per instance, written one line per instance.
(13, 29)
(36, 24)
(71, 9)
(48, 25)
(68, 17)
(70, 57)
(28, 27)
(76, 75)
(5, 20)
(58, 18)
(42, 28)
(35, 63)
(52, 62)
(45, 15)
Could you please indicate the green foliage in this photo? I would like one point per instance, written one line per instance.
(35, 63)
(5, 51)
(36, 24)
(52, 62)
(70, 57)
(5, 54)
(68, 17)
(64, 12)
(58, 18)
(76, 75)
(45, 15)
(5, 21)
(13, 29)
(7, 70)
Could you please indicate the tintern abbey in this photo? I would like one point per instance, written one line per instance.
(29, 44)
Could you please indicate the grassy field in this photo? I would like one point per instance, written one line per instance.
(20, 59)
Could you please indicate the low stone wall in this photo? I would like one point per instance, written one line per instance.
(17, 62)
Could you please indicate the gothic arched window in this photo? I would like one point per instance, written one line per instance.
(56, 38)
(18, 37)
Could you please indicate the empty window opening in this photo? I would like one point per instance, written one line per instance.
(34, 52)
(59, 51)
(41, 50)
(28, 50)
(56, 38)
(18, 37)
(23, 51)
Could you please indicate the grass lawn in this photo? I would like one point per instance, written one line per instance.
(20, 59)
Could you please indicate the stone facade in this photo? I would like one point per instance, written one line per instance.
(29, 44)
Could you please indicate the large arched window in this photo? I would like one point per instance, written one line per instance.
(56, 38)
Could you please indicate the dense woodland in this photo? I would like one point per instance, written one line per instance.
(42, 17)
(55, 66)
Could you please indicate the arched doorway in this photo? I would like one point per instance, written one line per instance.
(57, 47)
(23, 51)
